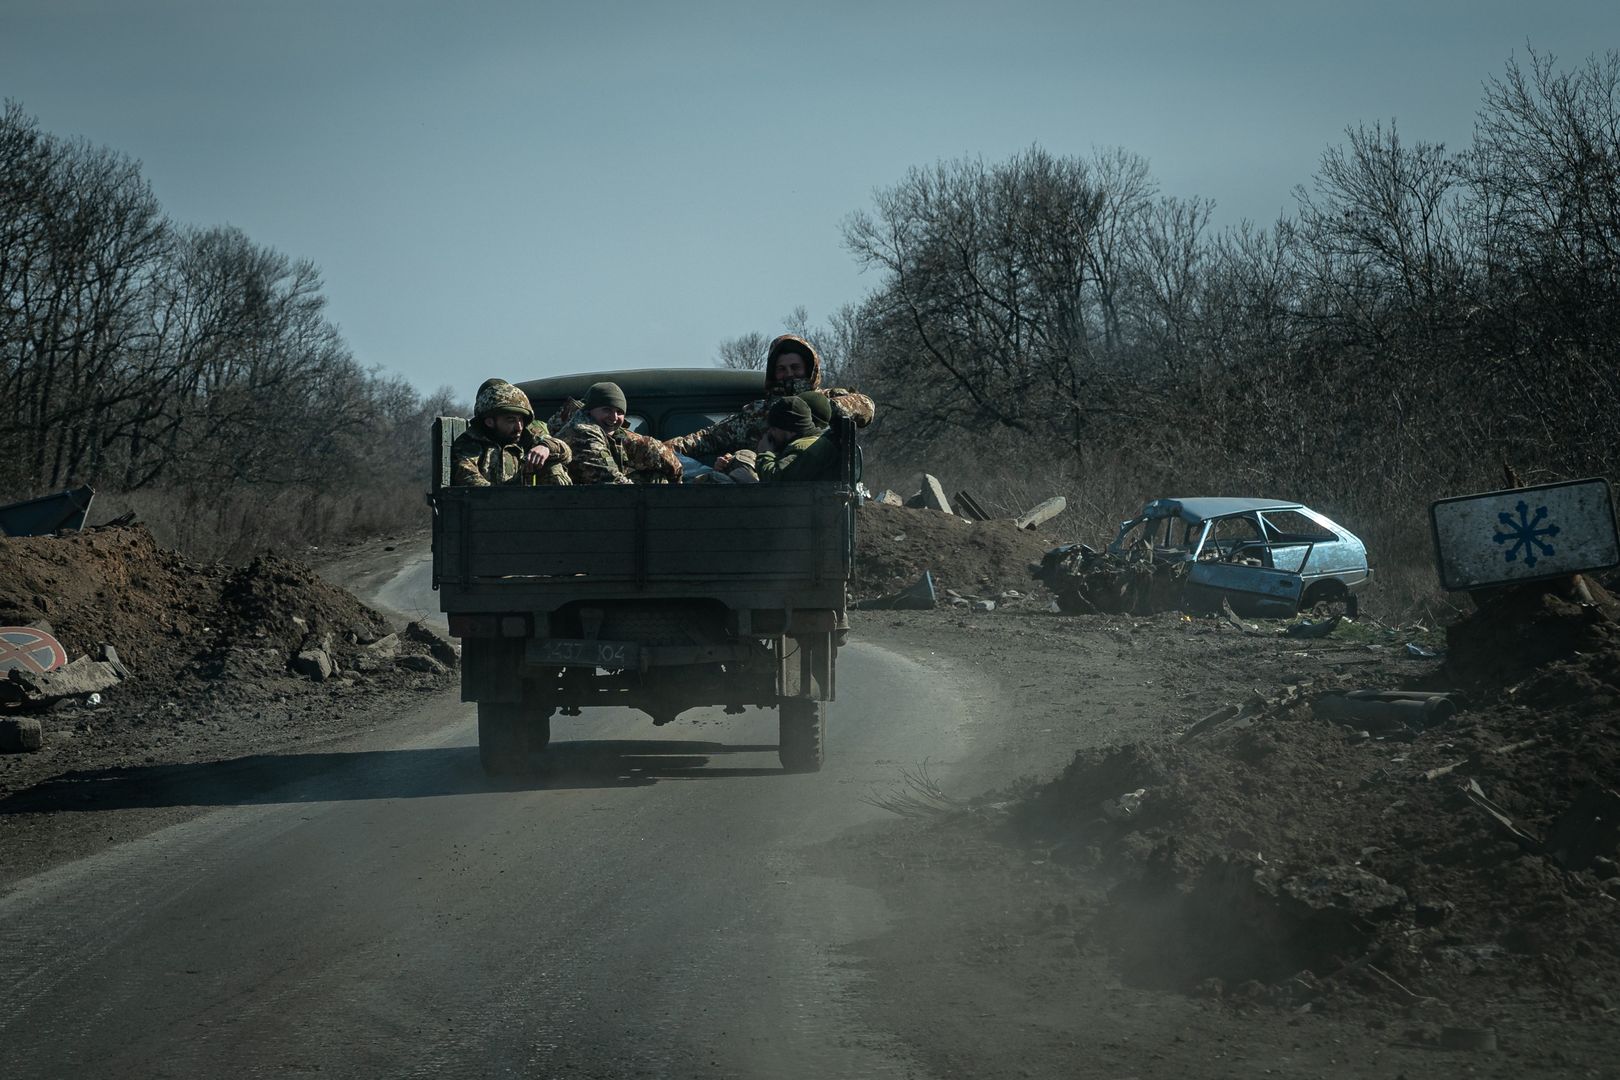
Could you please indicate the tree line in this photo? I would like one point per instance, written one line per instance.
(1423, 315)
(138, 354)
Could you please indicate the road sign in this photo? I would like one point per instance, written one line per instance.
(1524, 534)
(30, 649)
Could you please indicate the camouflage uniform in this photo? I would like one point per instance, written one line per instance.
(617, 457)
(477, 459)
(813, 457)
(742, 429)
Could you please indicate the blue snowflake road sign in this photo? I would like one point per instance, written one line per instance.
(1526, 534)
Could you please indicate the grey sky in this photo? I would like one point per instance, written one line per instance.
(529, 188)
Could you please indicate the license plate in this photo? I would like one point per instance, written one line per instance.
(602, 654)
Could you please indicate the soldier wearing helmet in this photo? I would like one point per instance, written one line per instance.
(505, 444)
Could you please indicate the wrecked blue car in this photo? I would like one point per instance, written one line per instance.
(1264, 558)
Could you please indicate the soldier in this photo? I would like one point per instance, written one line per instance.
(794, 447)
(505, 444)
(792, 366)
(606, 452)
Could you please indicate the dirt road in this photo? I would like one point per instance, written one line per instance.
(665, 902)
(646, 907)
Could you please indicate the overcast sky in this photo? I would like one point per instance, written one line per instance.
(534, 188)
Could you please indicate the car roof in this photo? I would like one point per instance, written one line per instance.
(641, 383)
(1203, 508)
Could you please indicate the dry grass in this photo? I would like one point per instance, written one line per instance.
(238, 524)
(917, 796)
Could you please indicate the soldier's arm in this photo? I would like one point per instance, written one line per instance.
(464, 471)
(818, 461)
(560, 454)
(739, 431)
(703, 443)
(592, 457)
(646, 452)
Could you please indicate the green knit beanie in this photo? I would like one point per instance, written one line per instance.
(605, 393)
(793, 416)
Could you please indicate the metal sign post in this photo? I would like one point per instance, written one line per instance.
(1524, 534)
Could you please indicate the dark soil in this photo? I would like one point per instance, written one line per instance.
(209, 648)
(1275, 865)
(895, 544)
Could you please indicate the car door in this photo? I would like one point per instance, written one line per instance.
(1261, 592)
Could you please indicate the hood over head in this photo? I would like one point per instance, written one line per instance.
(812, 359)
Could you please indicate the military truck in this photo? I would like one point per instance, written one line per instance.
(660, 598)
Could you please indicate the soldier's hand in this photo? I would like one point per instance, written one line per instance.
(535, 459)
(722, 463)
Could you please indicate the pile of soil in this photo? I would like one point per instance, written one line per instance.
(1281, 857)
(165, 614)
(212, 651)
(895, 544)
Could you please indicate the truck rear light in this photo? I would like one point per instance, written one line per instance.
(474, 626)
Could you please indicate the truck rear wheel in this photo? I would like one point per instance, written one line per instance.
(802, 725)
(506, 734)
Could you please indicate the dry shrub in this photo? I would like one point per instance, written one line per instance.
(239, 523)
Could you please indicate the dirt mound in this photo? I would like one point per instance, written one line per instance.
(212, 651)
(1285, 858)
(164, 613)
(895, 544)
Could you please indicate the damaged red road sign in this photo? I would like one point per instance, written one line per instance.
(30, 649)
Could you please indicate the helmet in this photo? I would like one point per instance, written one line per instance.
(498, 395)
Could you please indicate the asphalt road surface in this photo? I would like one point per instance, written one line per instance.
(641, 908)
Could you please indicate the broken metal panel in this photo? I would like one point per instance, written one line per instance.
(1524, 534)
(1259, 592)
(47, 514)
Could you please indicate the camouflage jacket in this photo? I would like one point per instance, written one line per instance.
(814, 457)
(477, 460)
(742, 429)
(616, 457)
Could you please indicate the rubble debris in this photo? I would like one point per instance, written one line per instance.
(1087, 581)
(918, 597)
(967, 506)
(894, 545)
(21, 735)
(442, 648)
(984, 605)
(1476, 796)
(109, 655)
(1041, 513)
(47, 514)
(889, 497)
(932, 494)
(313, 664)
(37, 689)
(1380, 713)
(418, 662)
(1318, 628)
